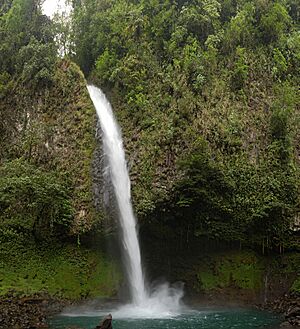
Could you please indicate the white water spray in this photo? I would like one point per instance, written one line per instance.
(163, 300)
(113, 148)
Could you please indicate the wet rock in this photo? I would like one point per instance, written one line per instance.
(289, 305)
(286, 325)
(106, 323)
(293, 311)
(26, 312)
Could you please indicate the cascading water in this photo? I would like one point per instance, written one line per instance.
(160, 308)
(149, 309)
(113, 148)
(164, 300)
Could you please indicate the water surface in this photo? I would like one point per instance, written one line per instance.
(204, 319)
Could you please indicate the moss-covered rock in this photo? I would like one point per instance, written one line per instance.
(54, 128)
(240, 270)
(247, 275)
(59, 270)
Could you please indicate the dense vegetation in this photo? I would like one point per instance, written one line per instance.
(47, 128)
(207, 94)
(47, 125)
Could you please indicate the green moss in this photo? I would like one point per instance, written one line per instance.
(243, 270)
(64, 271)
(207, 280)
(296, 285)
(291, 263)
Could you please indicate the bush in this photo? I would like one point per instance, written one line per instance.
(35, 63)
(33, 201)
(274, 23)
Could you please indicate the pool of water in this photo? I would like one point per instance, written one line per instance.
(190, 319)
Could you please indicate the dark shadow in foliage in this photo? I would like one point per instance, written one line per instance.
(281, 143)
(203, 196)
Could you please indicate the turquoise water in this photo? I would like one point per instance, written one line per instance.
(204, 319)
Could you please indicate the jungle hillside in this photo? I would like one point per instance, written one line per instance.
(206, 93)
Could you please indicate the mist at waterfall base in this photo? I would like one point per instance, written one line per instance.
(164, 300)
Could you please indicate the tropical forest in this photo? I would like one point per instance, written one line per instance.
(150, 164)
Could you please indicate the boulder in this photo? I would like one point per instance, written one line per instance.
(106, 323)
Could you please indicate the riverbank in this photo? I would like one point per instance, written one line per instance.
(32, 312)
(38, 280)
(28, 312)
(289, 305)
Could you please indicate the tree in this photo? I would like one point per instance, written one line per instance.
(33, 201)
(21, 24)
(35, 63)
(274, 23)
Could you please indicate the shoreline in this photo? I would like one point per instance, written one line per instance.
(32, 312)
(28, 312)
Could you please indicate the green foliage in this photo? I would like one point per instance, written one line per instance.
(242, 270)
(281, 122)
(63, 33)
(33, 201)
(27, 40)
(240, 201)
(62, 271)
(5, 6)
(5, 84)
(204, 190)
(274, 23)
(296, 286)
(279, 133)
(105, 64)
(280, 64)
(265, 202)
(241, 69)
(35, 63)
(222, 73)
(240, 31)
(293, 46)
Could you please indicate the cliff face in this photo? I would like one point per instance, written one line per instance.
(218, 273)
(47, 191)
(209, 107)
(53, 129)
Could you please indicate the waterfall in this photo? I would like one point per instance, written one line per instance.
(163, 300)
(113, 148)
